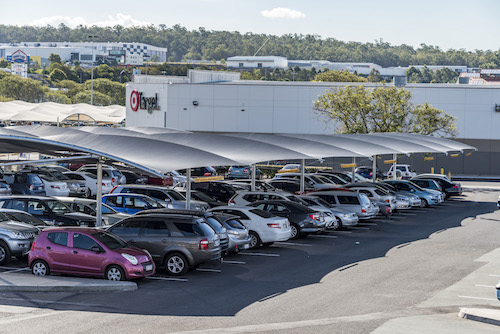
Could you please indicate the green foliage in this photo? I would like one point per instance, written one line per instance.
(374, 76)
(57, 75)
(4, 74)
(358, 109)
(18, 88)
(444, 75)
(5, 99)
(54, 58)
(338, 76)
(100, 99)
(4, 63)
(57, 97)
(71, 88)
(114, 90)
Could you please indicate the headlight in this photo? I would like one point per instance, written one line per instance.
(18, 235)
(130, 258)
(232, 232)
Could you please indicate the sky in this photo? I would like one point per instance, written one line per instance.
(458, 24)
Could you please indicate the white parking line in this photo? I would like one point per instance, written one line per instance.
(259, 254)
(469, 297)
(494, 275)
(168, 278)
(292, 244)
(407, 214)
(359, 228)
(486, 286)
(209, 270)
(322, 236)
(16, 270)
(12, 268)
(234, 262)
(345, 231)
(371, 224)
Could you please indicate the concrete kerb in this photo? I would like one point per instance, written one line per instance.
(13, 282)
(488, 316)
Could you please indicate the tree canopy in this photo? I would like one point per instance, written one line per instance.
(360, 109)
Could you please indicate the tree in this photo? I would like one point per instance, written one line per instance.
(99, 99)
(17, 88)
(70, 87)
(114, 90)
(338, 76)
(374, 76)
(57, 97)
(3, 63)
(57, 75)
(358, 109)
(54, 58)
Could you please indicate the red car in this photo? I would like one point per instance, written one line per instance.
(88, 252)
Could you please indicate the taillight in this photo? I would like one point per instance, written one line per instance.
(31, 187)
(55, 187)
(231, 202)
(203, 244)
(33, 246)
(371, 174)
(246, 170)
(113, 180)
(314, 216)
(388, 201)
(274, 225)
(207, 174)
(455, 187)
(363, 210)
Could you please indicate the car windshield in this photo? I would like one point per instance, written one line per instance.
(152, 202)
(57, 207)
(214, 224)
(26, 218)
(201, 197)
(35, 179)
(297, 200)
(176, 196)
(109, 240)
(91, 175)
(364, 199)
(324, 179)
(233, 223)
(323, 202)
(4, 218)
(59, 176)
(261, 213)
(416, 186)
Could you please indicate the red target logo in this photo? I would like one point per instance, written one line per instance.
(134, 100)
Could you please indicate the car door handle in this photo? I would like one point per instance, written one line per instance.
(48, 247)
(75, 252)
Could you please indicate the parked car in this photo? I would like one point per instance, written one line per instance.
(242, 172)
(24, 217)
(263, 227)
(88, 252)
(402, 171)
(290, 168)
(90, 182)
(130, 203)
(291, 186)
(413, 200)
(201, 171)
(176, 242)
(59, 168)
(24, 183)
(5, 189)
(350, 201)
(259, 185)
(219, 190)
(15, 239)
(449, 188)
(89, 206)
(108, 172)
(47, 209)
(303, 220)
(134, 178)
(367, 172)
(381, 198)
(427, 184)
(202, 197)
(169, 198)
(75, 187)
(333, 177)
(347, 177)
(427, 197)
(315, 181)
(236, 232)
(344, 218)
(53, 187)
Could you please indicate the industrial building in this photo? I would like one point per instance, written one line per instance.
(210, 101)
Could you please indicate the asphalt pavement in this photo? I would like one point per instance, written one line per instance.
(381, 276)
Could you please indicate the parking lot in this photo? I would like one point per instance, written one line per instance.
(352, 280)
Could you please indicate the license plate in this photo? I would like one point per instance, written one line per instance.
(149, 267)
(216, 243)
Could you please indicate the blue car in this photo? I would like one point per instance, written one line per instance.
(428, 197)
(130, 203)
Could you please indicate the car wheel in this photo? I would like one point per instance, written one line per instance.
(176, 264)
(337, 225)
(40, 268)
(87, 193)
(254, 240)
(423, 203)
(5, 254)
(295, 231)
(115, 273)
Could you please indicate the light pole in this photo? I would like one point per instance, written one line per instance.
(92, 37)
(121, 73)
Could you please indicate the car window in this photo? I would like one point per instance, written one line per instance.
(4, 217)
(57, 207)
(157, 194)
(366, 192)
(114, 200)
(261, 213)
(26, 218)
(309, 201)
(156, 228)
(261, 206)
(236, 224)
(20, 178)
(280, 208)
(201, 197)
(58, 238)
(75, 177)
(127, 228)
(16, 204)
(82, 241)
(35, 207)
(176, 196)
(351, 200)
(328, 198)
(380, 192)
(109, 240)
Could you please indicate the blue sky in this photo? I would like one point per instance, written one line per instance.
(448, 24)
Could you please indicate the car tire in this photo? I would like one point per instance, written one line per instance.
(5, 253)
(87, 193)
(254, 240)
(337, 225)
(423, 203)
(114, 273)
(176, 264)
(40, 268)
(295, 231)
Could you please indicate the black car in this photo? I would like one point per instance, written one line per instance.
(200, 171)
(219, 190)
(47, 209)
(201, 196)
(367, 172)
(291, 186)
(449, 188)
(303, 220)
(134, 178)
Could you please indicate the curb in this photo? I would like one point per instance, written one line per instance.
(68, 288)
(488, 316)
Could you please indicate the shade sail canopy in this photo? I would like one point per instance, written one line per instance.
(158, 150)
(50, 112)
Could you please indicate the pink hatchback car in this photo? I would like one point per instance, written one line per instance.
(88, 252)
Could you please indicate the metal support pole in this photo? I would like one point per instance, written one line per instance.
(394, 157)
(98, 196)
(302, 176)
(188, 188)
(353, 178)
(91, 78)
(374, 169)
(254, 175)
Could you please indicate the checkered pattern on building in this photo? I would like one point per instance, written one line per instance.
(136, 49)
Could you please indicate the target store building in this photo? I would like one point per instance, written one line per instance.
(210, 101)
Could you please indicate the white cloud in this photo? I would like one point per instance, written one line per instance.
(72, 22)
(283, 13)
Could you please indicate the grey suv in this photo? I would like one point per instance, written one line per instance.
(15, 238)
(176, 242)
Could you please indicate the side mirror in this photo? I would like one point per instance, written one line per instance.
(96, 249)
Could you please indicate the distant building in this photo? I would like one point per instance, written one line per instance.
(483, 77)
(123, 53)
(458, 69)
(257, 62)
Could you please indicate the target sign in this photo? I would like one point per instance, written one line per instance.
(134, 100)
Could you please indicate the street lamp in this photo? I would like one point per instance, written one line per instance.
(121, 73)
(92, 37)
